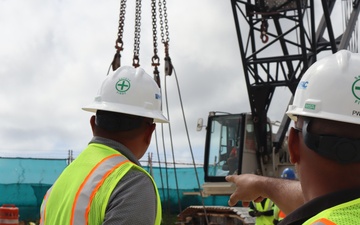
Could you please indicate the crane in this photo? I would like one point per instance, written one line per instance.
(278, 41)
(285, 67)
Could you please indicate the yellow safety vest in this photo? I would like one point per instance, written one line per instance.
(343, 214)
(81, 193)
(264, 220)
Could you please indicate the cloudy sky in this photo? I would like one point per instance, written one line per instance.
(55, 54)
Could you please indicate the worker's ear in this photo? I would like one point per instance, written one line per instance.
(293, 144)
(92, 123)
(149, 132)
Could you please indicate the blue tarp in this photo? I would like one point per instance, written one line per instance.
(24, 182)
(172, 190)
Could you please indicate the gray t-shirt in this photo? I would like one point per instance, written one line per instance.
(133, 200)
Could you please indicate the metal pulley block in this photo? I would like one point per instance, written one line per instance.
(168, 66)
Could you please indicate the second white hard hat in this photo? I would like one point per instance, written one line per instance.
(330, 89)
(130, 91)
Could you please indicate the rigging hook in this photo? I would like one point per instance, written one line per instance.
(116, 63)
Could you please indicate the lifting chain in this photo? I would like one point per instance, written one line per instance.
(116, 63)
(264, 27)
(164, 21)
(136, 59)
(155, 61)
(164, 28)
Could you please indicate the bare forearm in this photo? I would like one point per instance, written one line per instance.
(286, 194)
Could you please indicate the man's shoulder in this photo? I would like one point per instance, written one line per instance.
(323, 204)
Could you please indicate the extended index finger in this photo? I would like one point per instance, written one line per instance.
(230, 178)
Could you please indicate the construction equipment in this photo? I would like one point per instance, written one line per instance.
(278, 40)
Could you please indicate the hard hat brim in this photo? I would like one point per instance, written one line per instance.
(126, 109)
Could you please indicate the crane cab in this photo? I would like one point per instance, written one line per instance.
(230, 148)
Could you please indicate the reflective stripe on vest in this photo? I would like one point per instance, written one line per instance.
(88, 189)
(323, 221)
(91, 184)
(282, 215)
(43, 204)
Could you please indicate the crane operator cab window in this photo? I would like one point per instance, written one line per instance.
(230, 146)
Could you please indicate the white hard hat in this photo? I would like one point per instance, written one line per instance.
(131, 91)
(330, 89)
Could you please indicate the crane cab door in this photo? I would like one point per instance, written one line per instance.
(230, 146)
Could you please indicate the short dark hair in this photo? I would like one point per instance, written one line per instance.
(113, 121)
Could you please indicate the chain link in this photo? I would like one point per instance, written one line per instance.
(264, 27)
(155, 61)
(164, 28)
(136, 59)
(161, 21)
(121, 21)
(116, 63)
(166, 23)
(154, 25)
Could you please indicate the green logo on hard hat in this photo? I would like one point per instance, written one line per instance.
(123, 85)
(356, 88)
(310, 106)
